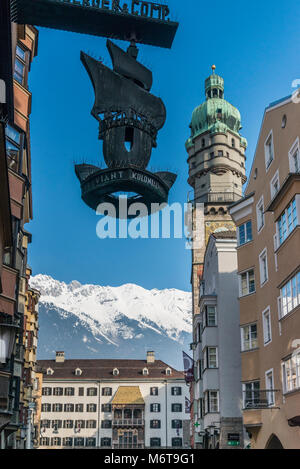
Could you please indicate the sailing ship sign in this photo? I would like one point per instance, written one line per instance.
(129, 119)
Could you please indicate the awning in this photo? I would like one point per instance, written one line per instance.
(128, 395)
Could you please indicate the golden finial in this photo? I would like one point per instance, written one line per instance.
(213, 68)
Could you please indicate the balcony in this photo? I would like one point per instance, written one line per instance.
(222, 197)
(128, 422)
(260, 399)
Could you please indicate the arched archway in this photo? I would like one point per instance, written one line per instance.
(274, 443)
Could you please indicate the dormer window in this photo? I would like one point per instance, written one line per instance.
(145, 371)
(168, 371)
(78, 372)
(50, 371)
(115, 372)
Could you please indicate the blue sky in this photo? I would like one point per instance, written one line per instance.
(255, 46)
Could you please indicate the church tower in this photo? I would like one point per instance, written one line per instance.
(216, 159)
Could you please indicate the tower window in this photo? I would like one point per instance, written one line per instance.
(220, 153)
(203, 143)
(215, 93)
(233, 143)
(221, 94)
(129, 132)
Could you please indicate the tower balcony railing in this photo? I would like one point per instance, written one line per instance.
(223, 197)
(128, 422)
(260, 399)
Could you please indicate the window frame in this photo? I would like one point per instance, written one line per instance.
(270, 395)
(275, 179)
(267, 331)
(291, 302)
(207, 402)
(244, 226)
(295, 148)
(154, 393)
(263, 268)
(260, 205)
(247, 273)
(106, 391)
(288, 384)
(268, 160)
(287, 222)
(253, 342)
(155, 405)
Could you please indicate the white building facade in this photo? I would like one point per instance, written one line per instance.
(113, 404)
(218, 390)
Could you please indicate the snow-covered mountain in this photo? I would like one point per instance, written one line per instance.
(92, 321)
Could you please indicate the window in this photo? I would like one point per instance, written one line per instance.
(176, 423)
(290, 295)
(79, 424)
(154, 407)
(91, 392)
(291, 373)
(57, 408)
(145, 371)
(78, 372)
(176, 391)
(47, 391)
(247, 283)
(233, 143)
(154, 391)
(176, 407)
(176, 442)
(260, 214)
(263, 267)
(245, 233)
(106, 391)
(46, 407)
(220, 153)
(78, 407)
(249, 337)
(91, 407)
(251, 394)
(115, 372)
(155, 442)
(13, 148)
(267, 326)
(20, 65)
(69, 407)
(91, 423)
(90, 442)
(45, 423)
(168, 371)
(210, 316)
(67, 441)
(56, 441)
(287, 221)
(56, 424)
(106, 424)
(270, 388)
(294, 157)
(106, 442)
(211, 360)
(68, 423)
(154, 423)
(211, 402)
(269, 150)
(80, 391)
(45, 441)
(58, 391)
(79, 441)
(106, 408)
(274, 184)
(50, 371)
(69, 391)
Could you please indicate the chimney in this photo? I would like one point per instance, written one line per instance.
(60, 357)
(150, 357)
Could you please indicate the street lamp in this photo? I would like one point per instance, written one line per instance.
(7, 339)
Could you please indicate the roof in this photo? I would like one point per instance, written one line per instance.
(224, 234)
(128, 395)
(103, 369)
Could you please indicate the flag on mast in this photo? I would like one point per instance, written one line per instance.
(188, 364)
